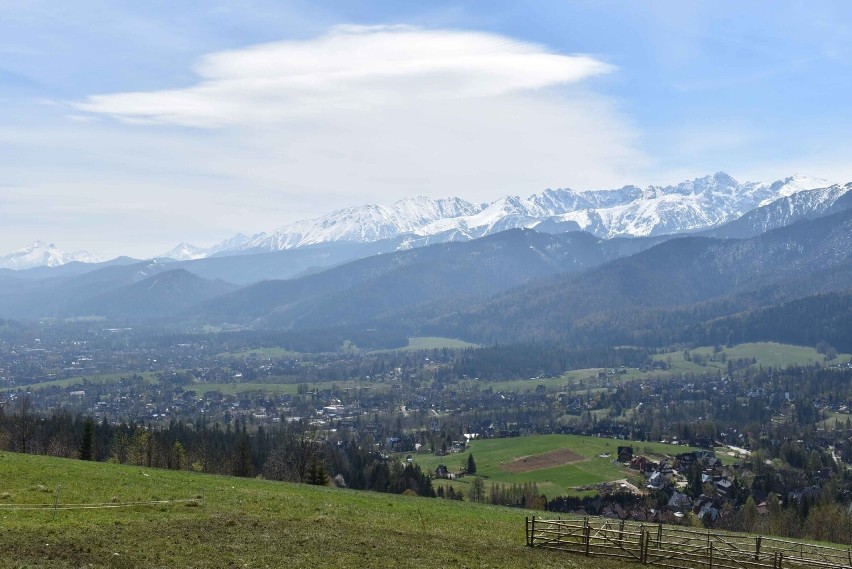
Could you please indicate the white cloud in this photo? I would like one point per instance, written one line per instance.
(352, 68)
(291, 130)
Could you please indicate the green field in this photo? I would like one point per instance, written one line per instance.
(270, 353)
(246, 523)
(491, 455)
(767, 354)
(435, 343)
(101, 378)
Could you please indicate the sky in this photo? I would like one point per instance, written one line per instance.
(127, 127)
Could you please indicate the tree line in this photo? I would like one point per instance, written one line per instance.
(291, 453)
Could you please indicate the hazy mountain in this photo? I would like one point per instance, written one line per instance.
(806, 258)
(688, 207)
(39, 253)
(362, 290)
(184, 251)
(362, 224)
(60, 295)
(805, 204)
(630, 211)
(163, 294)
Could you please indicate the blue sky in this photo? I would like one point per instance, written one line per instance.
(130, 126)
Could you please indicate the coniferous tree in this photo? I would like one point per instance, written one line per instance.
(87, 445)
(471, 464)
(242, 464)
(317, 474)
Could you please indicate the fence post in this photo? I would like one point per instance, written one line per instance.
(710, 552)
(660, 535)
(757, 549)
(532, 532)
(642, 540)
(587, 534)
(621, 534)
(527, 529)
(56, 500)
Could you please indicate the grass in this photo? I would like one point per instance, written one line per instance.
(491, 454)
(436, 343)
(264, 353)
(247, 523)
(73, 381)
(767, 354)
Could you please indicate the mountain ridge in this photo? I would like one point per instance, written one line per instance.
(690, 206)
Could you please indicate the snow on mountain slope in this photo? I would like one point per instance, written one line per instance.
(689, 206)
(804, 204)
(363, 223)
(629, 211)
(793, 185)
(184, 251)
(41, 254)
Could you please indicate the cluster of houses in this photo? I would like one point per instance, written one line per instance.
(668, 478)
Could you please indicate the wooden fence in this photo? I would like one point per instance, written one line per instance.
(680, 548)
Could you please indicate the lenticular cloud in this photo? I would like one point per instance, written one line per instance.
(350, 69)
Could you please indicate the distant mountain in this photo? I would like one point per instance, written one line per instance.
(452, 274)
(807, 258)
(688, 207)
(184, 251)
(804, 204)
(363, 224)
(41, 254)
(629, 211)
(160, 295)
(61, 294)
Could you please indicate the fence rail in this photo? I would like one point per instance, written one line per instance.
(674, 547)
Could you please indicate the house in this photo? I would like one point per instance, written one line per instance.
(680, 502)
(724, 486)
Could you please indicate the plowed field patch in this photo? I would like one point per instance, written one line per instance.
(558, 457)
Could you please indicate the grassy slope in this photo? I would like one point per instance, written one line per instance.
(247, 523)
(557, 481)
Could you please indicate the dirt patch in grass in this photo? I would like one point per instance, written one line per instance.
(558, 457)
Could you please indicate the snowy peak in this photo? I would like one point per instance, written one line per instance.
(41, 254)
(795, 184)
(184, 251)
(629, 211)
(364, 223)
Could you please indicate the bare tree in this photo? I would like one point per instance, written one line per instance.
(23, 424)
(291, 457)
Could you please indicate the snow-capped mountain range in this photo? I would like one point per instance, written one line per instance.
(625, 212)
(184, 251)
(630, 211)
(41, 254)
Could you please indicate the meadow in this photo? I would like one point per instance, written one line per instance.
(598, 461)
(245, 523)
